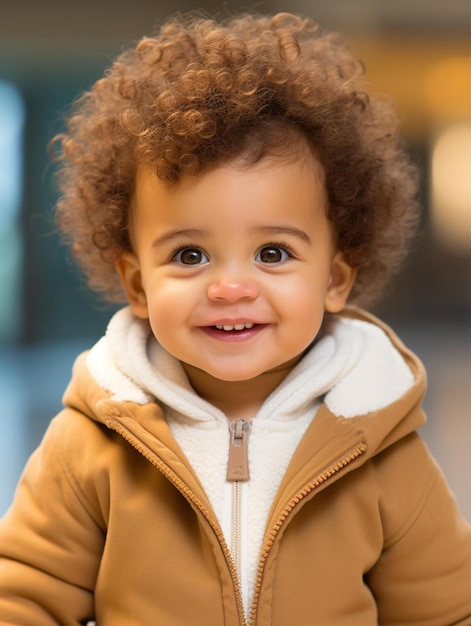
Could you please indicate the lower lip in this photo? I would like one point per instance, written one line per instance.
(234, 336)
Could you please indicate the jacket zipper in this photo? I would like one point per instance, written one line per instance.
(236, 527)
(237, 472)
(331, 470)
(191, 498)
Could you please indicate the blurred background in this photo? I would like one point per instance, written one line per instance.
(417, 52)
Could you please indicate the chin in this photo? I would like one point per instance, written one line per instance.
(236, 377)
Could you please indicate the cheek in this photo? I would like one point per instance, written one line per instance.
(302, 306)
(168, 304)
(304, 294)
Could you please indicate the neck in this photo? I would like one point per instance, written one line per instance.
(239, 399)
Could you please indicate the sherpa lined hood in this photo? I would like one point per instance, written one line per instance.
(360, 372)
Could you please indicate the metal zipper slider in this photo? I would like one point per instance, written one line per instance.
(238, 463)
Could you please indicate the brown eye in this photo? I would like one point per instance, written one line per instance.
(272, 254)
(190, 256)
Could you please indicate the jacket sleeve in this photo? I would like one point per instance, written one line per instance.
(423, 576)
(51, 541)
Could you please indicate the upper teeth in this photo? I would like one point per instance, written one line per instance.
(234, 326)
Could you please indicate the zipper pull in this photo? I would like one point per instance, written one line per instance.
(238, 462)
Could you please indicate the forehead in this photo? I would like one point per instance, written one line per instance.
(274, 179)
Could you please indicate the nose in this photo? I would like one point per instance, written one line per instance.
(232, 289)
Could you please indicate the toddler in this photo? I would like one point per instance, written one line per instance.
(240, 447)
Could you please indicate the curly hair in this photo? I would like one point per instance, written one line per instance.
(202, 92)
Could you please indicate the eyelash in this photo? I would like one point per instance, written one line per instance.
(186, 246)
(271, 244)
(282, 245)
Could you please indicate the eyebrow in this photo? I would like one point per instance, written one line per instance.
(176, 234)
(278, 229)
(281, 229)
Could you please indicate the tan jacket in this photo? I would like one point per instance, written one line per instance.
(111, 523)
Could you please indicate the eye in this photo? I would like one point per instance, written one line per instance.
(272, 254)
(190, 256)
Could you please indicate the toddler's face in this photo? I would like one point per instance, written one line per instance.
(235, 267)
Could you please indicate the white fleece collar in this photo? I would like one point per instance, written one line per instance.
(354, 366)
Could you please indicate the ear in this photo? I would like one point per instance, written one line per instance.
(129, 271)
(342, 278)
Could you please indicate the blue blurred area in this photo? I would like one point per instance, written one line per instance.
(32, 380)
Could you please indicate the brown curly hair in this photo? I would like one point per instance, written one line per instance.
(201, 92)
